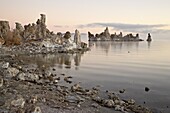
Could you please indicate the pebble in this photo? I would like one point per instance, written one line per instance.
(37, 110)
(20, 102)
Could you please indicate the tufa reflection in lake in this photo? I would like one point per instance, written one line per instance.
(116, 46)
(45, 62)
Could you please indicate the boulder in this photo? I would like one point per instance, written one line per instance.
(77, 38)
(19, 102)
(67, 35)
(11, 72)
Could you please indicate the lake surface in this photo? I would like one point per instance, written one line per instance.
(121, 65)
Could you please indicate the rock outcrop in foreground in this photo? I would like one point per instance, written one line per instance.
(36, 38)
(106, 36)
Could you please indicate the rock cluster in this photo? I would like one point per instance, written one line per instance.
(38, 34)
(106, 36)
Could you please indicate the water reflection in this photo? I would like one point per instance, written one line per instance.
(68, 61)
(149, 44)
(52, 60)
(107, 46)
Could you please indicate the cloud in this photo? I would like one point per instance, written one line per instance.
(59, 26)
(141, 28)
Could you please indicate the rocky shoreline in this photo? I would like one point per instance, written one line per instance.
(25, 88)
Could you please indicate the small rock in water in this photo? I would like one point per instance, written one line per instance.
(147, 89)
(108, 103)
(131, 101)
(75, 87)
(122, 91)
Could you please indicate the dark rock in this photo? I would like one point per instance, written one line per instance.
(149, 39)
(122, 91)
(67, 35)
(147, 89)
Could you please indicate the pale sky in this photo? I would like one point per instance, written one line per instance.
(63, 15)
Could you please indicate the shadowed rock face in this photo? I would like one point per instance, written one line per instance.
(19, 27)
(106, 36)
(4, 28)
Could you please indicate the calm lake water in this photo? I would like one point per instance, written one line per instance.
(121, 65)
